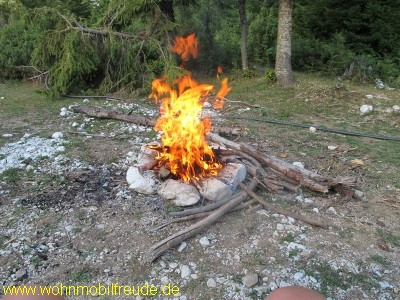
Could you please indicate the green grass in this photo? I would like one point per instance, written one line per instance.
(389, 237)
(80, 276)
(12, 175)
(330, 278)
(380, 259)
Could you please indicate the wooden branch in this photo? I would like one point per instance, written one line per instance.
(303, 177)
(103, 113)
(177, 238)
(107, 32)
(280, 210)
(204, 214)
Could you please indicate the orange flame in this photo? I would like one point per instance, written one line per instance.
(219, 71)
(185, 150)
(185, 47)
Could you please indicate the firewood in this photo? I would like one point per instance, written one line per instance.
(174, 240)
(104, 113)
(280, 210)
(303, 177)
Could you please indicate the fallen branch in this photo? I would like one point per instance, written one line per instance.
(280, 210)
(177, 238)
(303, 177)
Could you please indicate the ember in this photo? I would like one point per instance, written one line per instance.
(184, 149)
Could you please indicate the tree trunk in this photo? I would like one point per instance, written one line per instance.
(243, 38)
(283, 65)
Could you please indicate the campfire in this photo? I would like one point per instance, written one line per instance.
(184, 150)
(183, 168)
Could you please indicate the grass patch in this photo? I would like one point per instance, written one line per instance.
(389, 237)
(331, 278)
(12, 175)
(80, 276)
(379, 259)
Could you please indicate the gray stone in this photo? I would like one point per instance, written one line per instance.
(179, 192)
(145, 183)
(232, 174)
(215, 190)
(185, 271)
(293, 246)
(250, 279)
(204, 241)
(331, 210)
(57, 135)
(21, 274)
(298, 276)
(211, 283)
(182, 247)
(224, 185)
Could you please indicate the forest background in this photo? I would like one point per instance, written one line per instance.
(111, 46)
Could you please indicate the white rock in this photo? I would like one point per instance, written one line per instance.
(179, 192)
(331, 210)
(1, 98)
(298, 276)
(86, 100)
(215, 190)
(250, 279)
(185, 271)
(145, 183)
(7, 135)
(182, 247)
(293, 246)
(204, 241)
(69, 228)
(332, 147)
(365, 108)
(396, 107)
(75, 124)
(315, 209)
(369, 96)
(283, 284)
(313, 129)
(146, 155)
(173, 265)
(280, 227)
(299, 164)
(232, 174)
(207, 105)
(211, 283)
(385, 285)
(57, 135)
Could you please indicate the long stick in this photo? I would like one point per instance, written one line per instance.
(281, 210)
(175, 239)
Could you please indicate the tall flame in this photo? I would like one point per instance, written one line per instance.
(185, 150)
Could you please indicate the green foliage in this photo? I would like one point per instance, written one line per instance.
(16, 46)
(329, 36)
(262, 34)
(270, 76)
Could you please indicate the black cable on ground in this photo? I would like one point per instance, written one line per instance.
(339, 131)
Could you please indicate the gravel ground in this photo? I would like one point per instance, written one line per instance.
(68, 219)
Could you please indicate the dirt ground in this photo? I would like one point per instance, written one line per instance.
(79, 224)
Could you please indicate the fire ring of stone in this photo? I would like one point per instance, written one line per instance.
(181, 193)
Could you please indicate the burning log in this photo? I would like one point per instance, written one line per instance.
(104, 113)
